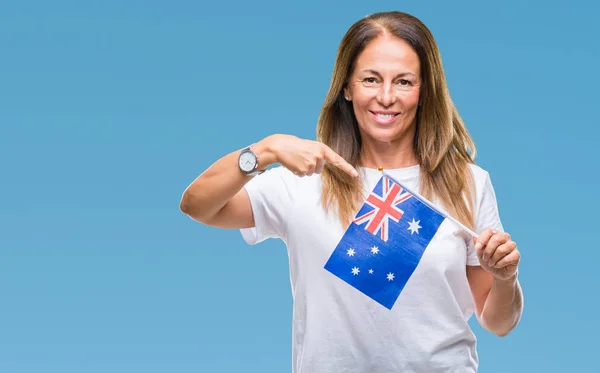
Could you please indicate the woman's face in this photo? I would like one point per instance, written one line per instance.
(384, 89)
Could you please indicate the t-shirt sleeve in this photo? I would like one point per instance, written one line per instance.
(487, 216)
(270, 197)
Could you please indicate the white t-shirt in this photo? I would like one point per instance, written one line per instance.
(337, 329)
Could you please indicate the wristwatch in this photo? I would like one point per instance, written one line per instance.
(248, 162)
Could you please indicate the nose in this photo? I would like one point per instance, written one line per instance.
(386, 96)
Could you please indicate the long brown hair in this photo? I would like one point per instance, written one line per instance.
(442, 143)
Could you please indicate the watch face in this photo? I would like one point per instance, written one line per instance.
(247, 161)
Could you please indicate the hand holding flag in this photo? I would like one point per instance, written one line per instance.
(386, 240)
(497, 253)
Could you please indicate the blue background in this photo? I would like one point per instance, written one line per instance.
(108, 110)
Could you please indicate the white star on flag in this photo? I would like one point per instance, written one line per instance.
(390, 276)
(374, 250)
(355, 271)
(350, 252)
(370, 271)
(414, 226)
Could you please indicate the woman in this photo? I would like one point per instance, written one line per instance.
(388, 108)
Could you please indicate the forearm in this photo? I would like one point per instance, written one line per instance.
(211, 191)
(503, 306)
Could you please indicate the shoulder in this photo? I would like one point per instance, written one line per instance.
(482, 184)
(486, 205)
(481, 179)
(279, 178)
(277, 172)
(274, 174)
(277, 192)
(479, 173)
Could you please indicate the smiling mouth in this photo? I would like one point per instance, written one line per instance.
(384, 117)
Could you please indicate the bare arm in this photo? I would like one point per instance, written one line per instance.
(217, 197)
(499, 303)
(495, 286)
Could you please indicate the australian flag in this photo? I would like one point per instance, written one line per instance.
(385, 242)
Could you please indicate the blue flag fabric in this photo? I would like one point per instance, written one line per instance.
(384, 244)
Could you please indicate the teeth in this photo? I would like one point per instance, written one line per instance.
(385, 116)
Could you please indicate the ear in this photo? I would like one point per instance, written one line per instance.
(347, 94)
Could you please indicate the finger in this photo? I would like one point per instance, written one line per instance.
(483, 238)
(336, 160)
(320, 166)
(310, 168)
(306, 168)
(511, 259)
(482, 241)
(498, 239)
(492, 245)
(299, 173)
(502, 251)
(487, 252)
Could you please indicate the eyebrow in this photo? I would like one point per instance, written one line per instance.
(397, 76)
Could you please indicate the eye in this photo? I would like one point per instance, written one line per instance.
(404, 82)
(370, 80)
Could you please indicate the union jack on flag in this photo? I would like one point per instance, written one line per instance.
(384, 244)
(382, 205)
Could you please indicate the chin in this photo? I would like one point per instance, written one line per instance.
(385, 135)
(402, 126)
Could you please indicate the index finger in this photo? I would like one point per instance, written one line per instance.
(483, 238)
(336, 160)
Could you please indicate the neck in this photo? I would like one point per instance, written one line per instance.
(392, 155)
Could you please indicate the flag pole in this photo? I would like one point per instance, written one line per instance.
(431, 205)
